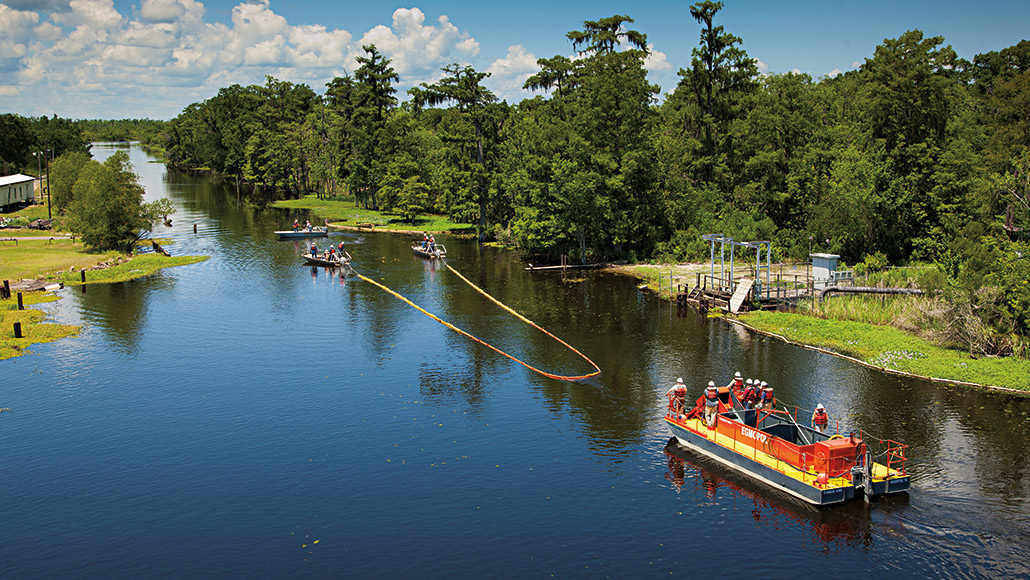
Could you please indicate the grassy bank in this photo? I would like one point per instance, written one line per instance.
(893, 349)
(61, 260)
(30, 258)
(34, 331)
(876, 331)
(345, 213)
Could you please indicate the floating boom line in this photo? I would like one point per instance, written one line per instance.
(597, 369)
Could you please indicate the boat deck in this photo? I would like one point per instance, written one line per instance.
(745, 448)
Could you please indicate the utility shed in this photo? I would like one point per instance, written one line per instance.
(823, 267)
(16, 189)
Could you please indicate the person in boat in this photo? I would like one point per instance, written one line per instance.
(425, 241)
(341, 252)
(678, 400)
(308, 226)
(296, 225)
(820, 420)
(711, 403)
(332, 253)
(737, 384)
(768, 400)
(314, 250)
(432, 244)
(747, 398)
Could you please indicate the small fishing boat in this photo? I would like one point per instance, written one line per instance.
(303, 233)
(441, 252)
(770, 446)
(321, 260)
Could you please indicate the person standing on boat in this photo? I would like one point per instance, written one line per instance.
(748, 398)
(432, 244)
(820, 420)
(296, 225)
(678, 394)
(711, 403)
(341, 253)
(308, 226)
(425, 240)
(314, 250)
(768, 400)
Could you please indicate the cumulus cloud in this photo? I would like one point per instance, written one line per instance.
(508, 74)
(656, 60)
(418, 49)
(91, 58)
(763, 67)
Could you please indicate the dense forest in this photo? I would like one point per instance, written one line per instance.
(918, 155)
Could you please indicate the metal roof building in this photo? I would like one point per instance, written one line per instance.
(15, 189)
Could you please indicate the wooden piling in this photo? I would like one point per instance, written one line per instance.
(17, 330)
(6, 293)
(21, 305)
(83, 276)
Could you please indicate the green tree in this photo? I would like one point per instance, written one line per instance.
(373, 98)
(64, 173)
(107, 210)
(462, 86)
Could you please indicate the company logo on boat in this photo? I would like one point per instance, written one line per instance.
(756, 435)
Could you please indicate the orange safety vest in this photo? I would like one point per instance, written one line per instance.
(820, 418)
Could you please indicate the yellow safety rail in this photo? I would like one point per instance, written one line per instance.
(597, 369)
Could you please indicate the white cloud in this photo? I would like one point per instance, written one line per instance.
(856, 64)
(91, 14)
(166, 11)
(763, 67)
(833, 73)
(508, 74)
(418, 49)
(173, 53)
(656, 60)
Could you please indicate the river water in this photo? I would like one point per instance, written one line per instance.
(251, 417)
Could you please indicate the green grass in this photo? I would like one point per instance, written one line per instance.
(34, 329)
(31, 258)
(894, 349)
(139, 266)
(344, 212)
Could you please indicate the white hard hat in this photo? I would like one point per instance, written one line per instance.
(820, 406)
(680, 380)
(711, 383)
(737, 374)
(764, 383)
(749, 381)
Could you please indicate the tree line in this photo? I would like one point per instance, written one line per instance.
(917, 155)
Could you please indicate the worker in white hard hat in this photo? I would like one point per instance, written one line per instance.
(678, 397)
(820, 419)
(711, 403)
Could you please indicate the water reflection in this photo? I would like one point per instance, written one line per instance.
(829, 529)
(120, 310)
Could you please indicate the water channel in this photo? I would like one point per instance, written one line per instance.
(251, 417)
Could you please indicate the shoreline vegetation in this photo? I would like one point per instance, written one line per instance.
(343, 213)
(876, 345)
(57, 257)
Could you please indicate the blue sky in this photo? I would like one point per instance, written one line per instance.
(151, 58)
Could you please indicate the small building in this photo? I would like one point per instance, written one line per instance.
(16, 189)
(824, 267)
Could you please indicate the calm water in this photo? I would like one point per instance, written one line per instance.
(251, 417)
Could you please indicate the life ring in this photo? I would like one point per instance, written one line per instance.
(837, 436)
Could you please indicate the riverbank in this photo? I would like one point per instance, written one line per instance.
(345, 214)
(65, 261)
(883, 347)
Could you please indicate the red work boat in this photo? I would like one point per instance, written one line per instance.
(770, 446)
